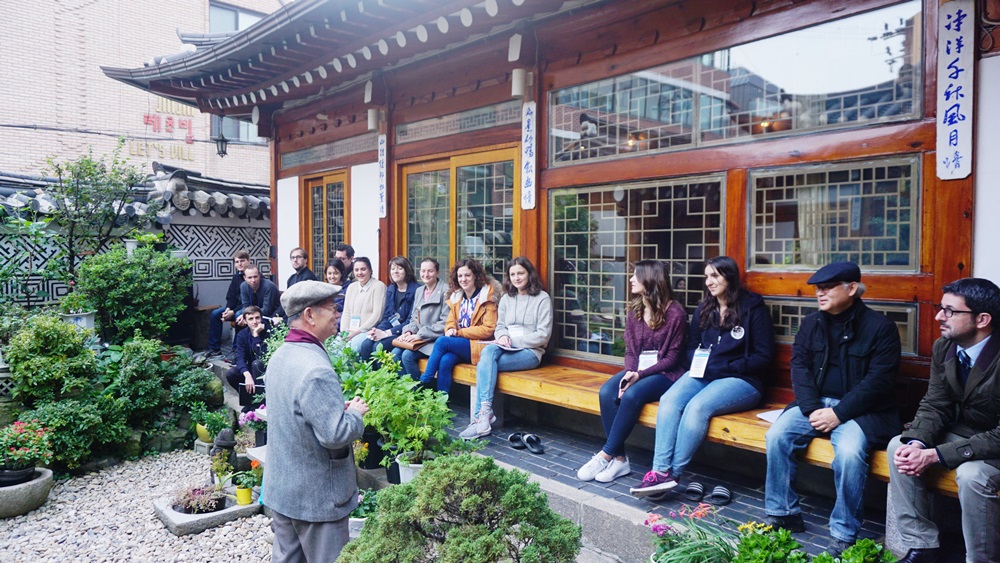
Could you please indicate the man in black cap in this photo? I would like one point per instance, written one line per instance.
(844, 364)
(957, 426)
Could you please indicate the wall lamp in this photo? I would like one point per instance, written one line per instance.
(375, 119)
(520, 80)
(221, 144)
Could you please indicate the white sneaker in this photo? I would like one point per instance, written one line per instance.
(614, 470)
(592, 468)
(471, 432)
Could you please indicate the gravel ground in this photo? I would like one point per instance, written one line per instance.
(108, 516)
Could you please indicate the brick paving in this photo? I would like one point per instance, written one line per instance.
(566, 451)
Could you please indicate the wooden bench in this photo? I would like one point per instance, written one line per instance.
(577, 389)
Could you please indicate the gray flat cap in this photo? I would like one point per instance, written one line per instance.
(305, 294)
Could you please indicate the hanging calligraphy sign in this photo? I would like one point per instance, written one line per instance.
(528, 155)
(381, 176)
(955, 62)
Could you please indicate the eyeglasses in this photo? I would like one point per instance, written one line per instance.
(294, 256)
(949, 312)
(824, 287)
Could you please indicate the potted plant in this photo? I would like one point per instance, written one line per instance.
(198, 499)
(470, 499)
(77, 309)
(245, 481)
(208, 423)
(141, 238)
(256, 420)
(23, 445)
(367, 503)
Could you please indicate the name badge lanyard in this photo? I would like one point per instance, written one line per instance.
(700, 360)
(517, 330)
(647, 358)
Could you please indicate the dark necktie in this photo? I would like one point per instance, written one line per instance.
(964, 366)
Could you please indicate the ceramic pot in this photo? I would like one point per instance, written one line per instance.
(11, 477)
(354, 526)
(202, 431)
(407, 471)
(244, 496)
(82, 320)
(21, 499)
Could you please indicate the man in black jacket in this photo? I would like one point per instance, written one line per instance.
(227, 312)
(300, 263)
(844, 364)
(957, 426)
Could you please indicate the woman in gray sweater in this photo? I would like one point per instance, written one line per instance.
(524, 326)
(427, 319)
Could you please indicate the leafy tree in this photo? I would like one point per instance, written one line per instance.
(465, 509)
(93, 195)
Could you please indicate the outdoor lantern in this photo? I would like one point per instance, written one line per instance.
(221, 144)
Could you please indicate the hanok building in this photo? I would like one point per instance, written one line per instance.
(587, 135)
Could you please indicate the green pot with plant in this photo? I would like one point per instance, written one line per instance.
(23, 445)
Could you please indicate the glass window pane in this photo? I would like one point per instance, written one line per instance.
(597, 232)
(222, 19)
(843, 73)
(485, 214)
(334, 218)
(805, 217)
(429, 210)
(787, 314)
(318, 251)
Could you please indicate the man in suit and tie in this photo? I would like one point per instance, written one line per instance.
(958, 426)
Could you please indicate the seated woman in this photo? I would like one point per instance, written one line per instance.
(363, 304)
(398, 306)
(731, 329)
(654, 358)
(472, 315)
(524, 326)
(336, 274)
(427, 319)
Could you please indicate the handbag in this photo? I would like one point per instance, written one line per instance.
(414, 345)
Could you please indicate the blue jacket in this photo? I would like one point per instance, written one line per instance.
(247, 349)
(233, 293)
(747, 357)
(266, 297)
(405, 308)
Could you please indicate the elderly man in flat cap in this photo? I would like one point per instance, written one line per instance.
(310, 474)
(844, 364)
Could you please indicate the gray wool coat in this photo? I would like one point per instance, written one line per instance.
(428, 317)
(310, 473)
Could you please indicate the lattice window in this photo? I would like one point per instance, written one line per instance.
(327, 219)
(867, 213)
(787, 314)
(486, 214)
(598, 232)
(843, 73)
(428, 205)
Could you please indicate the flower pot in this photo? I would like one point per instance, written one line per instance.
(178, 253)
(21, 499)
(244, 495)
(202, 431)
(260, 437)
(354, 526)
(130, 245)
(375, 450)
(167, 356)
(407, 471)
(11, 477)
(82, 320)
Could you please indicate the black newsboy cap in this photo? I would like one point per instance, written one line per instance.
(836, 272)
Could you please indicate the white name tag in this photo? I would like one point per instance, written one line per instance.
(647, 359)
(515, 331)
(699, 362)
(355, 323)
(394, 321)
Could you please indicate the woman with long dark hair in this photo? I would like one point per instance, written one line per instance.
(472, 315)
(654, 359)
(524, 326)
(730, 345)
(399, 298)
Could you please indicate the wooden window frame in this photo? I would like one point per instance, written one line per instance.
(305, 210)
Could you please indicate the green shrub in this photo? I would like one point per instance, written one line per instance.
(464, 509)
(139, 379)
(191, 386)
(12, 320)
(81, 428)
(49, 360)
(143, 292)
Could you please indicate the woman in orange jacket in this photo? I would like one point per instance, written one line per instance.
(472, 317)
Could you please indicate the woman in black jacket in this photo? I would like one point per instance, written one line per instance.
(730, 344)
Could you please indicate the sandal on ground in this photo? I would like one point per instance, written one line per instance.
(720, 496)
(694, 492)
(517, 441)
(533, 443)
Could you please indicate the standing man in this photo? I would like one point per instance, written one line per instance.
(257, 291)
(958, 426)
(844, 364)
(345, 253)
(227, 312)
(300, 263)
(310, 474)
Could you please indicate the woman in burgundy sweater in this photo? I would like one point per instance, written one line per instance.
(655, 332)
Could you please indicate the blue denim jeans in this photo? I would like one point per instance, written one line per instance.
(448, 352)
(409, 359)
(494, 359)
(215, 328)
(791, 433)
(684, 413)
(619, 418)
